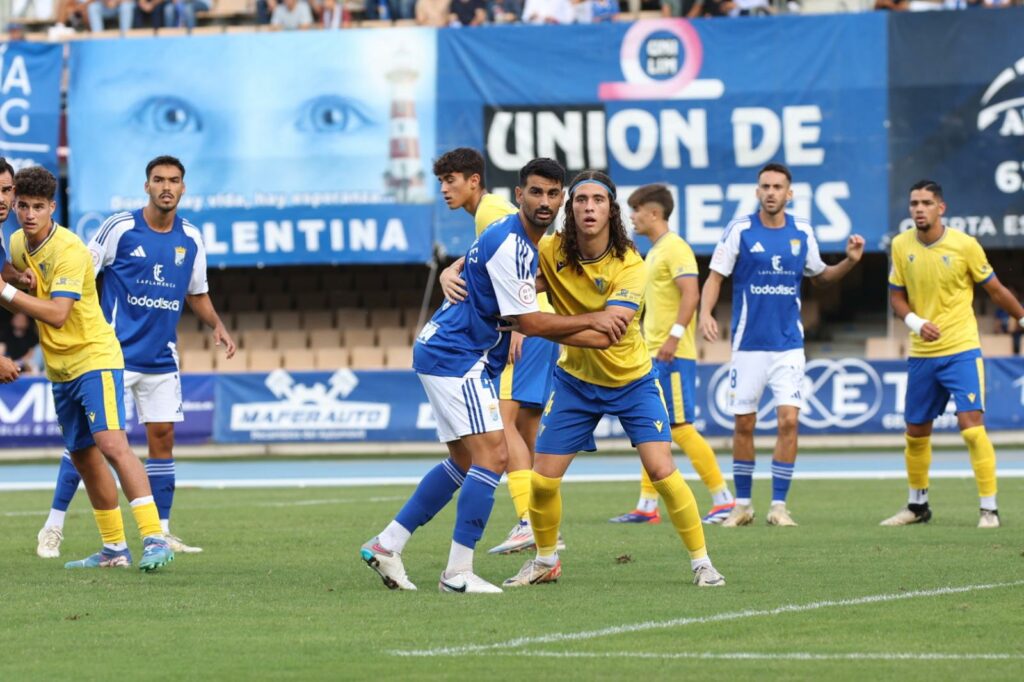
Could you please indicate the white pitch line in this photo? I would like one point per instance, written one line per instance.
(520, 642)
(758, 656)
(358, 482)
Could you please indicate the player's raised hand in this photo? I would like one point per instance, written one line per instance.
(708, 327)
(930, 331)
(8, 370)
(855, 247)
(452, 285)
(221, 337)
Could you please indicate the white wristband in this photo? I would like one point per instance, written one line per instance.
(677, 331)
(914, 322)
(8, 292)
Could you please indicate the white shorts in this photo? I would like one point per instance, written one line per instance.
(752, 370)
(464, 405)
(157, 397)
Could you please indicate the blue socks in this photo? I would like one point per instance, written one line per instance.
(743, 478)
(782, 475)
(161, 480)
(475, 504)
(431, 495)
(67, 483)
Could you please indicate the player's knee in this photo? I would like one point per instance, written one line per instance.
(745, 425)
(788, 422)
(968, 420)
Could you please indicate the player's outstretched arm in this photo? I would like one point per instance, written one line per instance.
(54, 312)
(708, 301)
(833, 273)
(926, 329)
(606, 327)
(202, 306)
(1003, 298)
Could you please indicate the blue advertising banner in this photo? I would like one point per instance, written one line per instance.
(30, 106)
(28, 419)
(844, 396)
(960, 121)
(293, 144)
(697, 105)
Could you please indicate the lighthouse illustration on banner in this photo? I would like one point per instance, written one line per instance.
(404, 178)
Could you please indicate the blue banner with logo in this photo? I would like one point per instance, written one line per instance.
(28, 419)
(957, 113)
(298, 147)
(30, 106)
(699, 105)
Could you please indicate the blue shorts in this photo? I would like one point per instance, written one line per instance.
(528, 381)
(575, 407)
(92, 402)
(931, 381)
(678, 380)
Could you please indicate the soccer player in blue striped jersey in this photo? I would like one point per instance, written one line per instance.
(153, 263)
(934, 272)
(526, 380)
(458, 355)
(768, 254)
(8, 370)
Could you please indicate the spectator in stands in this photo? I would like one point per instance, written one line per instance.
(69, 14)
(183, 12)
(1006, 325)
(291, 15)
(468, 13)
(102, 10)
(717, 8)
(149, 14)
(331, 15)
(505, 11)
(892, 5)
(595, 11)
(401, 9)
(19, 341)
(548, 12)
(682, 8)
(433, 12)
(264, 10)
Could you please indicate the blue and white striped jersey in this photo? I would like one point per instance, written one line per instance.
(500, 274)
(768, 266)
(146, 276)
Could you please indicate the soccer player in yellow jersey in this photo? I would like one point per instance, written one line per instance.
(592, 266)
(670, 321)
(85, 365)
(931, 287)
(526, 379)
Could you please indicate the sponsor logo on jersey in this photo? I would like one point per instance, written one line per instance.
(154, 303)
(757, 248)
(179, 255)
(772, 290)
(777, 263)
(139, 252)
(157, 270)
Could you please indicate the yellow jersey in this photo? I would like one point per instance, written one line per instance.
(492, 208)
(939, 280)
(605, 281)
(669, 259)
(63, 268)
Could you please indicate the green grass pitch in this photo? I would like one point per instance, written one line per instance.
(280, 593)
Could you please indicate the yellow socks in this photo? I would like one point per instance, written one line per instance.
(146, 516)
(983, 459)
(519, 490)
(546, 512)
(682, 509)
(918, 455)
(701, 456)
(111, 525)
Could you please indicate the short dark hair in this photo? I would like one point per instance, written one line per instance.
(164, 161)
(777, 168)
(545, 168)
(35, 181)
(653, 194)
(6, 167)
(929, 185)
(463, 160)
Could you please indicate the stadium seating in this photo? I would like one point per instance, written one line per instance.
(884, 348)
(996, 345)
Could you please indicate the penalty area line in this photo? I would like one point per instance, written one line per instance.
(759, 656)
(521, 642)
